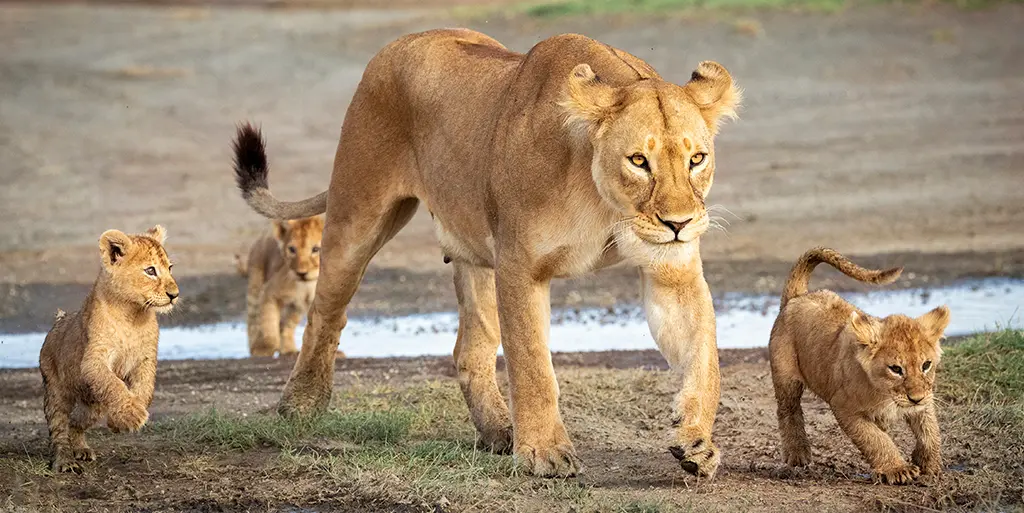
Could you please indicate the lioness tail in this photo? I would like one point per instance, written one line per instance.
(251, 175)
(796, 285)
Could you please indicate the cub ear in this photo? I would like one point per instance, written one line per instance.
(934, 322)
(712, 89)
(157, 233)
(588, 101)
(281, 229)
(863, 329)
(114, 245)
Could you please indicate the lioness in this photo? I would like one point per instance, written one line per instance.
(282, 269)
(102, 359)
(555, 163)
(869, 370)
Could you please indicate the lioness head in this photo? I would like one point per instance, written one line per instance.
(299, 240)
(136, 269)
(899, 353)
(653, 145)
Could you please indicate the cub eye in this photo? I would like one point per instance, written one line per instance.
(638, 160)
(896, 369)
(151, 271)
(697, 159)
(316, 249)
(292, 250)
(927, 365)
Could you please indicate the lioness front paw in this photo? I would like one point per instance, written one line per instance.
(898, 475)
(699, 457)
(305, 397)
(130, 416)
(796, 456)
(554, 456)
(498, 441)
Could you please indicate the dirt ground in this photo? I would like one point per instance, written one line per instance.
(892, 133)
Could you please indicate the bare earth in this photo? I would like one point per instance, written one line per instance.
(892, 133)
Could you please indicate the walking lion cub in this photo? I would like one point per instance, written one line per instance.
(869, 370)
(282, 270)
(101, 360)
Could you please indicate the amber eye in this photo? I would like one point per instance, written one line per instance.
(638, 160)
(316, 249)
(896, 369)
(927, 365)
(151, 271)
(697, 159)
(292, 249)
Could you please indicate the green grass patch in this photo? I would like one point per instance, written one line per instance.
(987, 368)
(245, 432)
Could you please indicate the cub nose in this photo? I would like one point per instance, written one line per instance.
(915, 400)
(675, 226)
(172, 295)
(302, 276)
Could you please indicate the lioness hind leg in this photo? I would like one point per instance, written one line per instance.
(357, 227)
(789, 388)
(475, 349)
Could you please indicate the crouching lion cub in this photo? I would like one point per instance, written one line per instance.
(869, 370)
(102, 358)
(282, 269)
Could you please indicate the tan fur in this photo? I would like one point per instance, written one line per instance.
(529, 166)
(282, 269)
(101, 360)
(846, 357)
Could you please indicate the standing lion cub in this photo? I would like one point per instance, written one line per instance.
(282, 269)
(101, 360)
(870, 371)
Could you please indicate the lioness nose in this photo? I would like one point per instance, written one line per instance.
(675, 226)
(915, 400)
(172, 295)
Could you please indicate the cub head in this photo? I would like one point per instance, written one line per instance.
(900, 354)
(299, 240)
(653, 147)
(136, 269)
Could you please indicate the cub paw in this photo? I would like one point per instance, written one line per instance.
(699, 457)
(84, 453)
(128, 417)
(901, 474)
(931, 465)
(64, 461)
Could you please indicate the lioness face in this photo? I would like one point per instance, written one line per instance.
(299, 240)
(137, 269)
(653, 145)
(903, 354)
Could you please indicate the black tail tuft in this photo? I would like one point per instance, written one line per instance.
(250, 160)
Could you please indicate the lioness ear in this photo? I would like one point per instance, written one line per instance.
(862, 328)
(588, 101)
(114, 246)
(711, 88)
(157, 233)
(934, 322)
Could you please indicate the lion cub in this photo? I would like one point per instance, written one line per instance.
(870, 371)
(102, 358)
(282, 268)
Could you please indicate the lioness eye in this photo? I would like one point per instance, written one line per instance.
(896, 369)
(316, 249)
(151, 271)
(638, 160)
(291, 249)
(697, 159)
(927, 365)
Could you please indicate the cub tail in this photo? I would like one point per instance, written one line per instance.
(796, 285)
(251, 176)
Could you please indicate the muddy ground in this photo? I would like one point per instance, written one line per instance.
(892, 133)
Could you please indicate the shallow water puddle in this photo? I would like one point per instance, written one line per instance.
(743, 321)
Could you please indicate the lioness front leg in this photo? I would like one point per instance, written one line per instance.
(927, 450)
(887, 465)
(540, 442)
(682, 321)
(475, 349)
